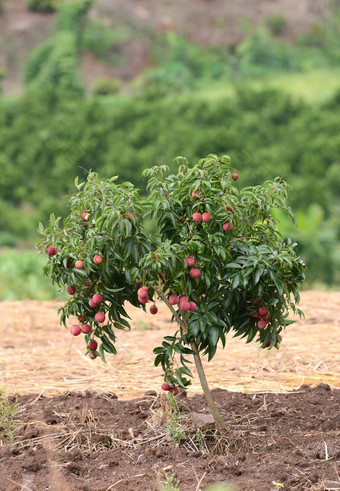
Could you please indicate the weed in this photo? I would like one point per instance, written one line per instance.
(8, 412)
(173, 425)
(168, 483)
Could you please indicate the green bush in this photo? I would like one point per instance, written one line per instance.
(181, 64)
(318, 239)
(42, 5)
(71, 16)
(260, 53)
(53, 65)
(103, 41)
(107, 86)
(21, 277)
(276, 23)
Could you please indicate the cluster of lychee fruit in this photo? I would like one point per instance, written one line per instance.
(85, 329)
(206, 217)
(262, 314)
(143, 298)
(194, 273)
(172, 390)
(184, 303)
(201, 217)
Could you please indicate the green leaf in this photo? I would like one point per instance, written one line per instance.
(107, 345)
(101, 353)
(213, 335)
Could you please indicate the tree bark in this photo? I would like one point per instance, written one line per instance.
(207, 393)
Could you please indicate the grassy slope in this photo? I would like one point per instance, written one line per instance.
(313, 86)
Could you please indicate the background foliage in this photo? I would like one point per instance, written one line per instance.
(191, 101)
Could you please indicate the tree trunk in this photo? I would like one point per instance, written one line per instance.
(208, 396)
(204, 383)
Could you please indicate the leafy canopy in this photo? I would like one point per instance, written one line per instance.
(243, 263)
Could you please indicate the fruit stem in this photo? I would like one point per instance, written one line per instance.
(200, 370)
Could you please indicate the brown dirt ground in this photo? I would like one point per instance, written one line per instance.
(82, 442)
(76, 435)
(204, 21)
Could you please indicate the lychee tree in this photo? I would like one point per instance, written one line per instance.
(216, 260)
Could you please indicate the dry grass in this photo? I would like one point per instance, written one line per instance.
(39, 356)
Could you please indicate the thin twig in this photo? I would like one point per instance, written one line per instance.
(126, 479)
(199, 483)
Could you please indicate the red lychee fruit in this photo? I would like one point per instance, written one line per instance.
(143, 296)
(257, 302)
(131, 213)
(194, 273)
(84, 216)
(85, 328)
(183, 299)
(97, 259)
(92, 355)
(143, 300)
(93, 345)
(75, 330)
(100, 317)
(97, 298)
(82, 318)
(235, 176)
(165, 386)
(51, 251)
(197, 217)
(142, 291)
(262, 310)
(193, 306)
(153, 309)
(173, 299)
(256, 315)
(206, 217)
(190, 261)
(79, 264)
(71, 290)
(227, 226)
(262, 324)
(185, 306)
(174, 391)
(92, 304)
(230, 208)
(195, 192)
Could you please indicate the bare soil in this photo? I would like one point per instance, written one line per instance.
(82, 441)
(94, 427)
(204, 21)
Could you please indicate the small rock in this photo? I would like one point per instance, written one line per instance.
(202, 420)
